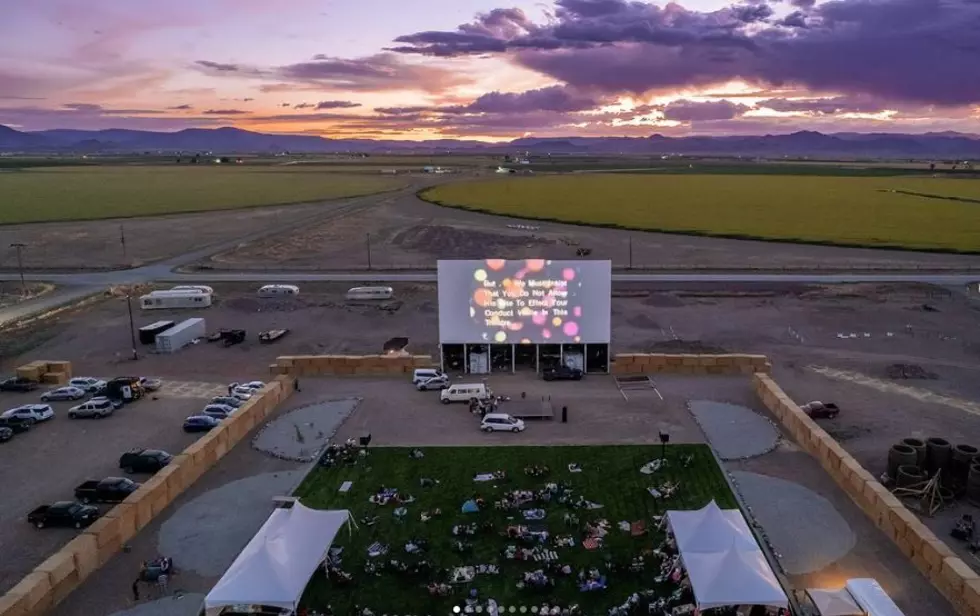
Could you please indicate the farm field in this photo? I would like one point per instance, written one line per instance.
(404, 592)
(97, 192)
(912, 213)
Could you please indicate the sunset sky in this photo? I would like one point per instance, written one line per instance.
(492, 69)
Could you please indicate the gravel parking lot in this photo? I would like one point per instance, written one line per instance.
(45, 464)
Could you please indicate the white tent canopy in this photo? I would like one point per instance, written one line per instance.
(834, 602)
(276, 565)
(723, 560)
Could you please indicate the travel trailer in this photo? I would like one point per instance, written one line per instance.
(194, 287)
(370, 293)
(278, 290)
(164, 300)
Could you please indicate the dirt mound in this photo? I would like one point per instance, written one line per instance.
(909, 371)
(456, 243)
(251, 304)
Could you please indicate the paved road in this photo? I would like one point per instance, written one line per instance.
(55, 299)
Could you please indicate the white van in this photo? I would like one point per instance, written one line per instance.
(464, 393)
(370, 293)
(424, 374)
(200, 288)
(278, 290)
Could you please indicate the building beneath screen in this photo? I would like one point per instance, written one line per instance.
(498, 315)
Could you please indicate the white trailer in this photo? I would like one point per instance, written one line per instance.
(370, 293)
(180, 335)
(163, 300)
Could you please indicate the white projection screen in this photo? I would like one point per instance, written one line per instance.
(525, 301)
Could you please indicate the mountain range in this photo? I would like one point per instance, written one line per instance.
(228, 140)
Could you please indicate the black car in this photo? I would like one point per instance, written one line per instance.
(6, 434)
(109, 490)
(144, 460)
(200, 423)
(63, 513)
(562, 373)
(16, 383)
(16, 424)
(227, 401)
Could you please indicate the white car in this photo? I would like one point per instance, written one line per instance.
(436, 382)
(87, 383)
(31, 412)
(424, 374)
(95, 408)
(151, 383)
(64, 393)
(501, 422)
(242, 393)
(251, 385)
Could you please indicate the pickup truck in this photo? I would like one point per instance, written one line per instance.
(108, 490)
(63, 513)
(17, 384)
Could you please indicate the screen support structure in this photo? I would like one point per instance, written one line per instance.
(513, 358)
(585, 359)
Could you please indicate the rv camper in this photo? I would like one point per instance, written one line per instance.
(370, 293)
(163, 300)
(194, 287)
(278, 290)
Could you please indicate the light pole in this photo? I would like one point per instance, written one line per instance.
(20, 264)
(368, 239)
(132, 326)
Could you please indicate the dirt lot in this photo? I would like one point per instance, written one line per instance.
(409, 233)
(45, 464)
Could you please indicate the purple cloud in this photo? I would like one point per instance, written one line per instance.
(691, 111)
(218, 66)
(554, 98)
(922, 51)
(825, 106)
(302, 106)
(336, 105)
(184, 107)
(224, 112)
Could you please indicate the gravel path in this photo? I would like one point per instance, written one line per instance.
(207, 533)
(301, 433)
(735, 432)
(803, 527)
(186, 605)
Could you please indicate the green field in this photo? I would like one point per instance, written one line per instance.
(402, 592)
(898, 212)
(109, 191)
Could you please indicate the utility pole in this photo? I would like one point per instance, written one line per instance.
(20, 264)
(132, 326)
(631, 251)
(122, 239)
(368, 239)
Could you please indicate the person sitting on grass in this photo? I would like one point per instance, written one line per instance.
(439, 590)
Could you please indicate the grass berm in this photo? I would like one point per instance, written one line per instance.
(118, 191)
(622, 499)
(934, 214)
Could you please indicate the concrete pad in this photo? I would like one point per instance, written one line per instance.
(803, 527)
(734, 432)
(300, 434)
(206, 534)
(177, 605)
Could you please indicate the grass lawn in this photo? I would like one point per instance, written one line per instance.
(610, 477)
(94, 192)
(900, 212)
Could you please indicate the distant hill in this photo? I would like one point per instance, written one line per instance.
(946, 145)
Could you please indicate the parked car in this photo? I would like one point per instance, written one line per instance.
(821, 410)
(501, 422)
(436, 382)
(16, 424)
(144, 460)
(562, 373)
(217, 411)
(17, 384)
(242, 393)
(34, 412)
(88, 383)
(63, 513)
(115, 402)
(151, 383)
(6, 434)
(227, 400)
(108, 490)
(97, 408)
(251, 385)
(64, 393)
(200, 423)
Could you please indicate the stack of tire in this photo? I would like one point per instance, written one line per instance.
(906, 461)
(914, 461)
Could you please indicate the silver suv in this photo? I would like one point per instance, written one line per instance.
(96, 408)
